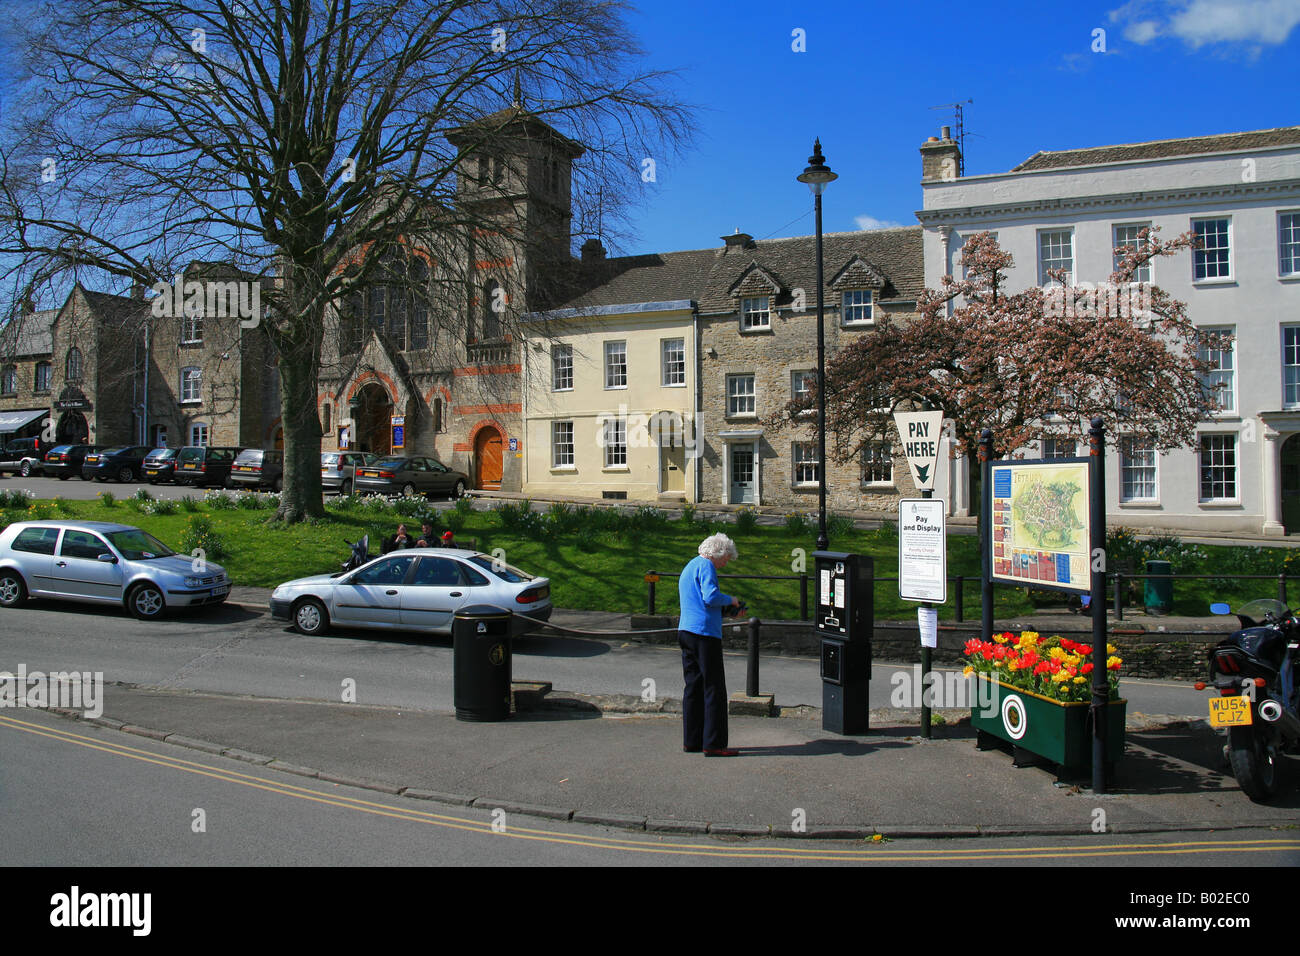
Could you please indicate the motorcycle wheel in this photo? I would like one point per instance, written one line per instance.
(1255, 758)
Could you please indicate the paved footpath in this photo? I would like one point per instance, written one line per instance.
(568, 761)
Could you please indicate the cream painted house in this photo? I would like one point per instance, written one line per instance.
(608, 402)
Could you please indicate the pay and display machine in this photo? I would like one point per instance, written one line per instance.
(844, 620)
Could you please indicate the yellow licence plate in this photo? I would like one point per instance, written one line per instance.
(1231, 711)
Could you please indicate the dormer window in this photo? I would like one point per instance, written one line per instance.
(857, 307)
(755, 314)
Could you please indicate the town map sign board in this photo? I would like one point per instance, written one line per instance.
(1041, 515)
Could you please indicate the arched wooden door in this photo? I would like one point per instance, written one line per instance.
(487, 452)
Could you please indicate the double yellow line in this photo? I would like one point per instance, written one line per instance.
(882, 853)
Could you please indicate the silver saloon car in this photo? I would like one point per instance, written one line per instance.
(416, 589)
(102, 563)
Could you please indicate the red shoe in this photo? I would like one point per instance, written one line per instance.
(722, 753)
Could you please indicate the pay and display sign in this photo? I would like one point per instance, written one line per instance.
(920, 432)
(922, 550)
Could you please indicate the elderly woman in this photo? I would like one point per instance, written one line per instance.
(704, 703)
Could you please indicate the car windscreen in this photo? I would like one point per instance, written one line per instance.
(137, 545)
(249, 458)
(502, 570)
(391, 464)
(327, 460)
(60, 449)
(190, 454)
(114, 451)
(163, 453)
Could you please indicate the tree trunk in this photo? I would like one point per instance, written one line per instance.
(301, 496)
(974, 473)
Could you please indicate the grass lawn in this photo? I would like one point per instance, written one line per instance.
(605, 570)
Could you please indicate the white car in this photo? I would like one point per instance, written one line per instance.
(413, 589)
(102, 563)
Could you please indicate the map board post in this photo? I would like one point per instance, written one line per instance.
(1043, 525)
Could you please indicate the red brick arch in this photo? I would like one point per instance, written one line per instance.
(365, 378)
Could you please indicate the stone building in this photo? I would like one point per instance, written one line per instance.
(746, 314)
(1240, 194)
(430, 353)
(26, 375)
(83, 373)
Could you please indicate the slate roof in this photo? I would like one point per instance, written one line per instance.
(1161, 149)
(707, 275)
(28, 335)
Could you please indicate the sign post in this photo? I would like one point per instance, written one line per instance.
(922, 542)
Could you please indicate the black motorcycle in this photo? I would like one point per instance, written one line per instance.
(1255, 673)
(359, 556)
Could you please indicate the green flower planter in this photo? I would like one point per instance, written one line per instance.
(1050, 729)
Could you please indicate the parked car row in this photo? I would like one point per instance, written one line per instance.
(231, 467)
(416, 589)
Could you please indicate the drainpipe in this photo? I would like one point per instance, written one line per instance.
(144, 416)
(695, 425)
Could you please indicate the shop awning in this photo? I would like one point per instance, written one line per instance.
(12, 421)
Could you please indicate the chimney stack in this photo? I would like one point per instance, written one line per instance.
(737, 241)
(940, 158)
(593, 250)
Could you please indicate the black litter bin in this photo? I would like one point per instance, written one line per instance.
(1159, 592)
(481, 665)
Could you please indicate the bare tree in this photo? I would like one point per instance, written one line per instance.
(303, 141)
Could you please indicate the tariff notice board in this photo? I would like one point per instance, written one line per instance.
(1040, 521)
(922, 551)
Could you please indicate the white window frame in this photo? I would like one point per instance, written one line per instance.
(1071, 443)
(1228, 396)
(561, 362)
(796, 377)
(615, 442)
(754, 308)
(752, 395)
(672, 368)
(1201, 466)
(879, 455)
(192, 329)
(1144, 272)
(1291, 371)
(612, 369)
(1122, 461)
(1232, 272)
(850, 307)
(191, 383)
(1283, 243)
(803, 455)
(1072, 275)
(200, 434)
(562, 450)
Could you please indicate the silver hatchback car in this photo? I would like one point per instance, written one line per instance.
(103, 563)
(415, 589)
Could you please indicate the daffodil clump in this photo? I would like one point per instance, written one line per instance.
(1054, 667)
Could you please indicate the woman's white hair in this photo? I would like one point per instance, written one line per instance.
(718, 546)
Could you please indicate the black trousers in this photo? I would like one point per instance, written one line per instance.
(704, 703)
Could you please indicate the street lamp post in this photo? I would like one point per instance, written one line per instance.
(818, 176)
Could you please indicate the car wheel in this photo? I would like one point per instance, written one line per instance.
(278, 484)
(146, 601)
(408, 490)
(310, 617)
(13, 591)
(459, 491)
(345, 489)
(26, 469)
(125, 475)
(64, 477)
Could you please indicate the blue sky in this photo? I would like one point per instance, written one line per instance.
(872, 70)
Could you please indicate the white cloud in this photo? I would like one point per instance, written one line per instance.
(870, 223)
(1142, 32)
(1198, 23)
